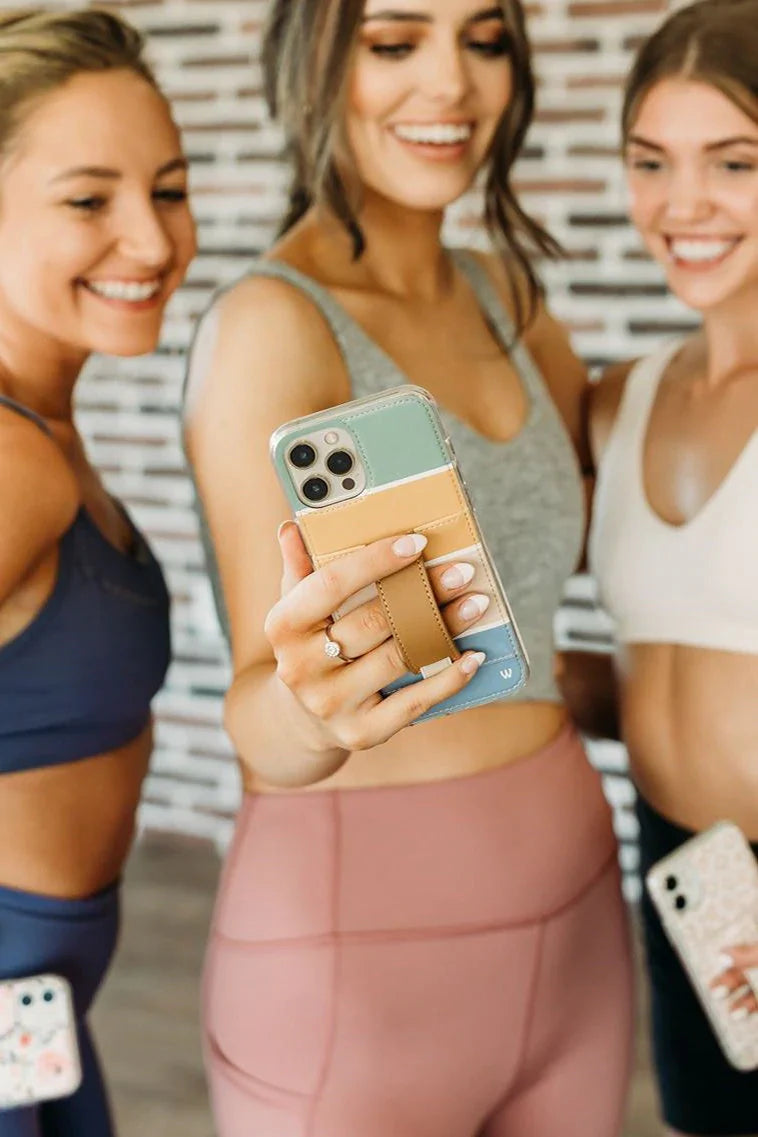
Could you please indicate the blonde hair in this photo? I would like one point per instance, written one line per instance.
(41, 49)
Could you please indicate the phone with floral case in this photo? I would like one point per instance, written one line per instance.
(382, 465)
(39, 1055)
(706, 893)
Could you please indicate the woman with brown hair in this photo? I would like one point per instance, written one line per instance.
(419, 932)
(95, 236)
(675, 535)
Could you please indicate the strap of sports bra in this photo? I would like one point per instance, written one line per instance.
(20, 409)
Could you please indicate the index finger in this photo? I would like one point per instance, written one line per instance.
(313, 600)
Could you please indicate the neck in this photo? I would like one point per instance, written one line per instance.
(731, 340)
(38, 373)
(403, 255)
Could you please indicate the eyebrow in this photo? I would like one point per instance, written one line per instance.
(712, 147)
(395, 16)
(112, 175)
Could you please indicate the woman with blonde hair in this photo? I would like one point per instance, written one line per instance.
(95, 236)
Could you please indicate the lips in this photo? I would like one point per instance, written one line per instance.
(129, 291)
(433, 133)
(701, 252)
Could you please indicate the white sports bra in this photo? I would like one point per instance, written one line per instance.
(693, 584)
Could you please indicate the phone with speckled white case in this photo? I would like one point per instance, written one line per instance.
(706, 893)
(39, 1053)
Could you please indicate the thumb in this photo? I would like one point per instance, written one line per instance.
(296, 564)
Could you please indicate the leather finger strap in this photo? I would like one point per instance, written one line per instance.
(415, 619)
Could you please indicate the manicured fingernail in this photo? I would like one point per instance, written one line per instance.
(720, 992)
(724, 962)
(739, 1013)
(474, 606)
(457, 575)
(284, 525)
(471, 663)
(409, 546)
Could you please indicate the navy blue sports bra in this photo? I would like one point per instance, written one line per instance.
(79, 679)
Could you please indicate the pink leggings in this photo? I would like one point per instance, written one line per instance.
(438, 960)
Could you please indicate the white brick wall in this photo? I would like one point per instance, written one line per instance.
(205, 55)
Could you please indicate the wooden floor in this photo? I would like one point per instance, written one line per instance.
(146, 1019)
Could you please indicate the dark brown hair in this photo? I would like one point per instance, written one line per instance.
(307, 50)
(41, 49)
(711, 41)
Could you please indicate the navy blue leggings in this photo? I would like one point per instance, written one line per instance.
(76, 939)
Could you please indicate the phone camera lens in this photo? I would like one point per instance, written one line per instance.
(340, 462)
(671, 883)
(303, 455)
(316, 489)
(680, 903)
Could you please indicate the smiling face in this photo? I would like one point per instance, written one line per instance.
(692, 160)
(429, 86)
(95, 228)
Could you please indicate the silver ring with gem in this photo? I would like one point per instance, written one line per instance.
(332, 649)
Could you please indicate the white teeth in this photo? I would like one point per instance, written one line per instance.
(700, 252)
(434, 134)
(124, 290)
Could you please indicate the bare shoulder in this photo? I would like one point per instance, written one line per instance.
(605, 400)
(39, 497)
(264, 344)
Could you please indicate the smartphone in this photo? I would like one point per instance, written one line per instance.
(379, 466)
(706, 893)
(39, 1054)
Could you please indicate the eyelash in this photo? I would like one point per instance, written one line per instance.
(650, 166)
(93, 203)
(493, 49)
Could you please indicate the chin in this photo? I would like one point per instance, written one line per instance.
(429, 199)
(125, 345)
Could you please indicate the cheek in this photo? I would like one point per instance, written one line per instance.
(496, 88)
(373, 90)
(645, 201)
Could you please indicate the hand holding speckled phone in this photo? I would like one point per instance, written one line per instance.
(39, 1057)
(707, 896)
(366, 472)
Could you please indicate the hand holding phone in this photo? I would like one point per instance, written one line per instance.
(360, 474)
(706, 894)
(341, 688)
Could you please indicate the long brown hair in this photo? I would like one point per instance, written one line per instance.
(307, 50)
(711, 41)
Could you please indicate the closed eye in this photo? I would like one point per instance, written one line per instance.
(172, 196)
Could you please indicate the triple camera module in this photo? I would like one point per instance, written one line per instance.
(333, 471)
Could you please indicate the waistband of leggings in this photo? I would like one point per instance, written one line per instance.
(665, 834)
(101, 904)
(567, 742)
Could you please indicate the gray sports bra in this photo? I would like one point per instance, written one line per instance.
(527, 492)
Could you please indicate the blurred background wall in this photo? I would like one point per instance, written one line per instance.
(205, 53)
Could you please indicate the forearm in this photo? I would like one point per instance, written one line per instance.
(589, 685)
(272, 733)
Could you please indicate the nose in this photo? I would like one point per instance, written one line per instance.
(144, 237)
(444, 77)
(687, 198)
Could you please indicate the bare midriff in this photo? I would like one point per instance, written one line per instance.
(691, 726)
(66, 830)
(455, 746)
